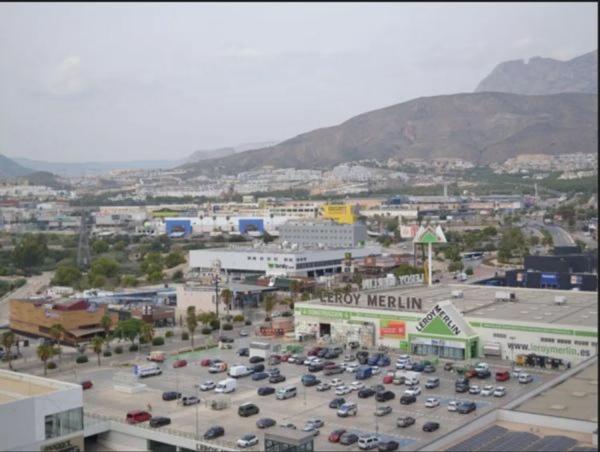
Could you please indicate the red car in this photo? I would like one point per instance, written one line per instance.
(206, 362)
(314, 351)
(503, 375)
(334, 437)
(388, 379)
(179, 363)
(87, 384)
(329, 365)
(285, 357)
(471, 373)
(137, 416)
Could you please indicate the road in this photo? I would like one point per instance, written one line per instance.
(559, 235)
(33, 285)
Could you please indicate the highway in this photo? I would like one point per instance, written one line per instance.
(559, 235)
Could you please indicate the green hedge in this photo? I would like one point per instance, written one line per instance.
(206, 330)
(81, 359)
(107, 353)
(286, 314)
(158, 340)
(169, 333)
(214, 324)
(238, 318)
(118, 349)
(248, 322)
(227, 326)
(51, 365)
(185, 336)
(134, 348)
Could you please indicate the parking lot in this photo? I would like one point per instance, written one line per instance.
(103, 399)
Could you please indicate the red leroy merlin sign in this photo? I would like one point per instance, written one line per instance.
(393, 329)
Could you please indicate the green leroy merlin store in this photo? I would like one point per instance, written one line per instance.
(460, 322)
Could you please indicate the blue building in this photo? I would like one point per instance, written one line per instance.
(178, 227)
(246, 225)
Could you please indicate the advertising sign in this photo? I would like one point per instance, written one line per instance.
(392, 329)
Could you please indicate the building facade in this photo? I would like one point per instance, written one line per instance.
(326, 233)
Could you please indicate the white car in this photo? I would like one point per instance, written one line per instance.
(342, 390)
(474, 389)
(336, 382)
(244, 333)
(516, 372)
(207, 385)
(416, 390)
(525, 378)
(248, 440)
(403, 358)
(432, 402)
(351, 367)
(500, 391)
(453, 405)
(308, 361)
(487, 390)
(375, 370)
(356, 385)
(316, 422)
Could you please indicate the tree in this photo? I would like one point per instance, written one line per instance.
(99, 246)
(406, 269)
(8, 340)
(129, 281)
(206, 317)
(96, 344)
(147, 333)
(106, 324)
(191, 323)
(512, 245)
(270, 301)
(178, 276)
(226, 298)
(155, 276)
(173, 259)
(30, 251)
(57, 332)
(66, 275)
(534, 240)
(44, 353)
(455, 266)
(104, 266)
(452, 253)
(129, 329)
(295, 288)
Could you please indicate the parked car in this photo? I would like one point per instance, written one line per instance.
(311, 429)
(347, 409)
(516, 372)
(159, 421)
(137, 416)
(461, 384)
(285, 357)
(207, 385)
(289, 425)
(432, 402)
(365, 393)
(383, 361)
(448, 366)
(217, 367)
(356, 385)
(336, 435)
(466, 407)
(313, 351)
(431, 426)
(244, 351)
(256, 359)
(384, 396)
(87, 384)
(362, 356)
(265, 390)
(453, 405)
(276, 379)
(383, 410)
(316, 422)
(348, 438)
(334, 370)
(385, 446)
(265, 422)
(248, 440)
(429, 369)
(248, 409)
(335, 382)
(377, 387)
(179, 363)
(342, 390)
(418, 367)
(243, 333)
(500, 391)
(414, 390)
(407, 399)
(367, 442)
(388, 379)
(259, 376)
(487, 390)
(432, 382)
(405, 421)
(474, 389)
(310, 380)
(189, 400)
(171, 395)
(503, 375)
(525, 378)
(315, 367)
(337, 402)
(323, 387)
(483, 373)
(375, 370)
(258, 368)
(214, 432)
(352, 367)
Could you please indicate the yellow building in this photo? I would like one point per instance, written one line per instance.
(340, 213)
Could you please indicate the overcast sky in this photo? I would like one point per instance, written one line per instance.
(82, 82)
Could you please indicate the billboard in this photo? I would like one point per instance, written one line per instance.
(392, 329)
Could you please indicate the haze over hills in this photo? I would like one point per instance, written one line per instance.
(223, 152)
(544, 76)
(9, 168)
(479, 127)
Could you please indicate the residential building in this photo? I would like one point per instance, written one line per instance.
(325, 233)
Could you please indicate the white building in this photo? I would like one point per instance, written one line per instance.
(37, 413)
(326, 232)
(277, 260)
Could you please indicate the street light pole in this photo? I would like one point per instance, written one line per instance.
(197, 427)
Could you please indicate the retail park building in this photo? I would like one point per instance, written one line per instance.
(459, 321)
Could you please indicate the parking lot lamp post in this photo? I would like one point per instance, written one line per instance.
(216, 277)
(376, 418)
(197, 427)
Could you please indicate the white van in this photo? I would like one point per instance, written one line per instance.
(368, 442)
(286, 393)
(348, 409)
(239, 371)
(482, 366)
(227, 385)
(146, 371)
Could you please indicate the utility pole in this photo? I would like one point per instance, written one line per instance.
(83, 248)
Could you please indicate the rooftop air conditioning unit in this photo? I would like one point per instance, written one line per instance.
(560, 300)
(457, 294)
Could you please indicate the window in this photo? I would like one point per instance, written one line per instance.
(546, 339)
(581, 343)
(563, 341)
(63, 423)
(499, 335)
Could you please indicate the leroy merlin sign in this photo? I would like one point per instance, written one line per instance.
(438, 321)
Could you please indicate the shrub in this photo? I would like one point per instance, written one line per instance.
(107, 353)
(248, 322)
(215, 324)
(185, 336)
(227, 326)
(118, 349)
(206, 330)
(286, 314)
(143, 341)
(158, 340)
(169, 333)
(469, 271)
(238, 318)
(133, 348)
(81, 359)
(51, 365)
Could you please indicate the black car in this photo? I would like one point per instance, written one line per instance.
(265, 390)
(331, 355)
(226, 340)
(337, 402)
(461, 384)
(322, 352)
(431, 426)
(484, 373)
(159, 421)
(258, 368)
(171, 395)
(407, 399)
(315, 367)
(387, 446)
(265, 422)
(310, 380)
(384, 396)
(256, 359)
(365, 393)
(348, 438)
(334, 370)
(248, 409)
(418, 367)
(466, 407)
(362, 357)
(214, 432)
(276, 378)
(244, 351)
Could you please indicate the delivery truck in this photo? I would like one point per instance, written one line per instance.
(225, 386)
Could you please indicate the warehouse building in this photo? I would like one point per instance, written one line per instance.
(459, 321)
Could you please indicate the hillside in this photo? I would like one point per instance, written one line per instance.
(9, 168)
(223, 152)
(478, 127)
(544, 76)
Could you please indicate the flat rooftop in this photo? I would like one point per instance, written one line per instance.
(531, 305)
(575, 398)
(279, 250)
(16, 386)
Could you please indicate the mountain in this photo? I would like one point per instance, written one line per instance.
(544, 76)
(9, 168)
(223, 152)
(46, 179)
(479, 127)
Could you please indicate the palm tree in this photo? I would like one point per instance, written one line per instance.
(106, 324)
(295, 288)
(206, 317)
(270, 301)
(96, 344)
(8, 340)
(191, 322)
(147, 333)
(44, 353)
(226, 297)
(57, 332)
